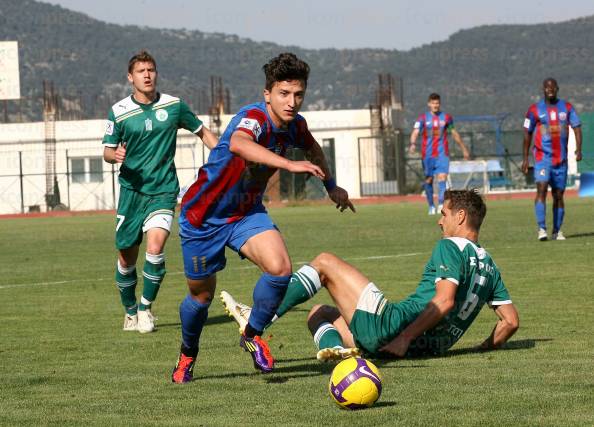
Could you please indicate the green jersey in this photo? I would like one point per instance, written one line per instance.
(472, 269)
(150, 133)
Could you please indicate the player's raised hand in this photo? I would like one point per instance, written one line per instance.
(341, 197)
(120, 153)
(304, 166)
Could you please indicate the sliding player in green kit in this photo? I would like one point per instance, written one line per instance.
(141, 135)
(458, 280)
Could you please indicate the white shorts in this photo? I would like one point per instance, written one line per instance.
(372, 300)
(159, 219)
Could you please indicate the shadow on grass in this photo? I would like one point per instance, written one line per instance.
(214, 320)
(382, 404)
(578, 235)
(509, 346)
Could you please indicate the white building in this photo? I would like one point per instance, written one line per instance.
(86, 182)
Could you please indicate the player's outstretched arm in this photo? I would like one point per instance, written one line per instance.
(208, 138)
(506, 326)
(245, 147)
(458, 140)
(439, 306)
(338, 195)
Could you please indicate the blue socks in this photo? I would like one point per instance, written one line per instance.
(193, 315)
(558, 215)
(540, 212)
(268, 294)
(441, 186)
(429, 194)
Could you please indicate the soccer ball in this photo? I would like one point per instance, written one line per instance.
(355, 383)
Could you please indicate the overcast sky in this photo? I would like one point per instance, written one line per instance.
(390, 24)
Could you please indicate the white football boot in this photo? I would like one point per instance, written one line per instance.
(238, 311)
(542, 234)
(146, 321)
(432, 210)
(558, 236)
(130, 322)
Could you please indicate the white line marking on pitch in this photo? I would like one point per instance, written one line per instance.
(177, 273)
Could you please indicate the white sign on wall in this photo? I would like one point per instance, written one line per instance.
(10, 87)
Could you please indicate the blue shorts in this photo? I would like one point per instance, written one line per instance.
(556, 176)
(203, 248)
(436, 165)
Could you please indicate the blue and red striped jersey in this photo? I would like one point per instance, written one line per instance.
(228, 187)
(551, 123)
(434, 130)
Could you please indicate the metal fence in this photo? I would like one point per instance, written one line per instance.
(82, 180)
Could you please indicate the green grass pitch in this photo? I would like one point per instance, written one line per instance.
(64, 359)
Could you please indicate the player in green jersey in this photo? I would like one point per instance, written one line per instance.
(141, 135)
(458, 280)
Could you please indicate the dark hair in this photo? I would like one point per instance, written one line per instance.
(434, 96)
(286, 66)
(469, 201)
(549, 79)
(142, 56)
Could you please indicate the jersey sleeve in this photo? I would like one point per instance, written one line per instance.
(112, 131)
(187, 119)
(449, 122)
(419, 123)
(574, 119)
(253, 123)
(531, 119)
(448, 262)
(304, 138)
(500, 295)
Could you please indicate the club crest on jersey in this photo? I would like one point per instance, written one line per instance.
(562, 116)
(148, 125)
(442, 123)
(161, 115)
(542, 172)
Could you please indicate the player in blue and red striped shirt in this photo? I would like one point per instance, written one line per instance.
(433, 127)
(223, 208)
(548, 121)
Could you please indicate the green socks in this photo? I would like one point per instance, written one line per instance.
(304, 284)
(126, 280)
(153, 274)
(327, 336)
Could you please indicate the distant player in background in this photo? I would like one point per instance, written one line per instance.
(141, 135)
(223, 208)
(434, 126)
(458, 280)
(549, 121)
